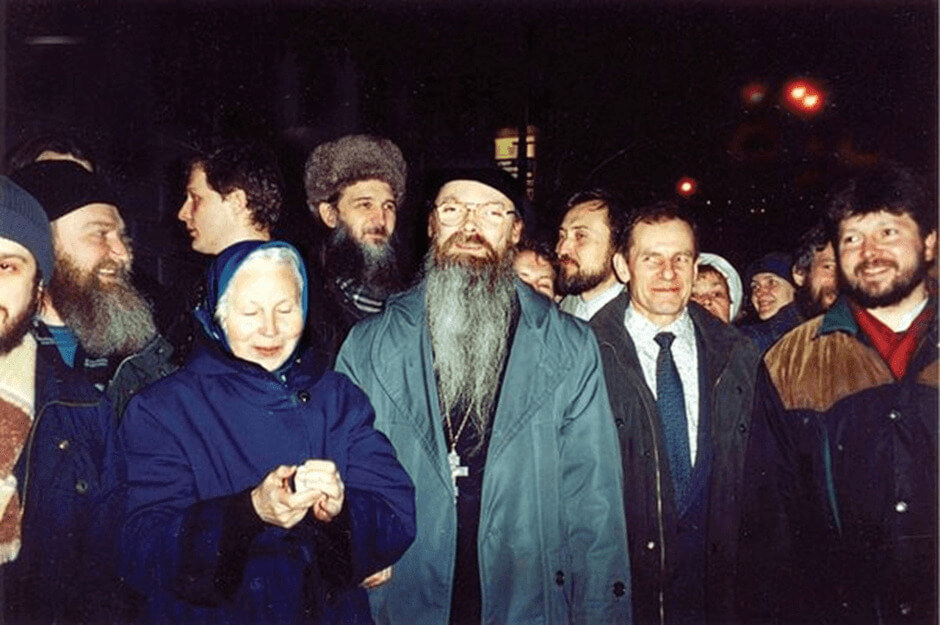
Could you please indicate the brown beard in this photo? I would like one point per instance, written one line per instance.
(902, 286)
(372, 266)
(108, 318)
(581, 281)
(20, 324)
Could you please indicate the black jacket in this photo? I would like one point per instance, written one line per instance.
(840, 518)
(68, 481)
(730, 361)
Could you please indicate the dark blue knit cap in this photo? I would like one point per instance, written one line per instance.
(23, 220)
(220, 274)
(778, 263)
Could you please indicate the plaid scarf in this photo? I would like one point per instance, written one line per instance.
(359, 295)
(17, 408)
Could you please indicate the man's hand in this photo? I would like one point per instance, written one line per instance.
(377, 579)
(322, 477)
(274, 502)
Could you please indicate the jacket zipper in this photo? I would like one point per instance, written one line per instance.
(127, 359)
(659, 498)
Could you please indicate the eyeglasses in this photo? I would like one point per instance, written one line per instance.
(453, 213)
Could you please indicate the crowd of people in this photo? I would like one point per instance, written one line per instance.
(616, 430)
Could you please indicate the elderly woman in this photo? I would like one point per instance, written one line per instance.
(258, 491)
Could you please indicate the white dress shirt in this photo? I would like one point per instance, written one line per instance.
(584, 310)
(684, 353)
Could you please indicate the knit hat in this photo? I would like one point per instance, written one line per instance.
(494, 177)
(735, 288)
(777, 263)
(332, 166)
(63, 186)
(23, 220)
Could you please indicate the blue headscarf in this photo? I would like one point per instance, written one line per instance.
(221, 272)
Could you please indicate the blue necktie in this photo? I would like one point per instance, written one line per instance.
(670, 402)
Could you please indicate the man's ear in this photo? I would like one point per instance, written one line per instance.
(621, 270)
(238, 199)
(431, 225)
(328, 214)
(798, 277)
(930, 247)
(517, 229)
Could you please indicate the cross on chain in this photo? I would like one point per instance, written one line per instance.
(456, 470)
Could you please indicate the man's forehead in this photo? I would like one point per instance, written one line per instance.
(471, 191)
(876, 219)
(590, 213)
(197, 176)
(672, 234)
(370, 188)
(9, 247)
(93, 213)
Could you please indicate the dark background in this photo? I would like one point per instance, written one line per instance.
(626, 94)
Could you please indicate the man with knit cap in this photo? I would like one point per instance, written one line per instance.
(58, 564)
(773, 296)
(91, 313)
(355, 187)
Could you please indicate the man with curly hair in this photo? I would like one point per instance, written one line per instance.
(234, 193)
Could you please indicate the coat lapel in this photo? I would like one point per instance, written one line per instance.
(532, 373)
(409, 381)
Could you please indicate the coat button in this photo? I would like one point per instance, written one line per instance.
(64, 444)
(651, 545)
(559, 578)
(619, 589)
(901, 506)
(303, 396)
(894, 415)
(742, 428)
(905, 609)
(81, 487)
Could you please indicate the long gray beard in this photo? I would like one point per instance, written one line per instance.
(470, 311)
(108, 319)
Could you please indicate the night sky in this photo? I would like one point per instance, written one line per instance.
(628, 95)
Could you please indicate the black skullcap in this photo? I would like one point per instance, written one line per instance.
(494, 177)
(63, 186)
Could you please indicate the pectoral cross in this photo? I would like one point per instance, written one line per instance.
(456, 470)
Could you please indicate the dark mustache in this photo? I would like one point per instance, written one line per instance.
(871, 264)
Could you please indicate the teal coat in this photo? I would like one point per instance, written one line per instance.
(552, 539)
